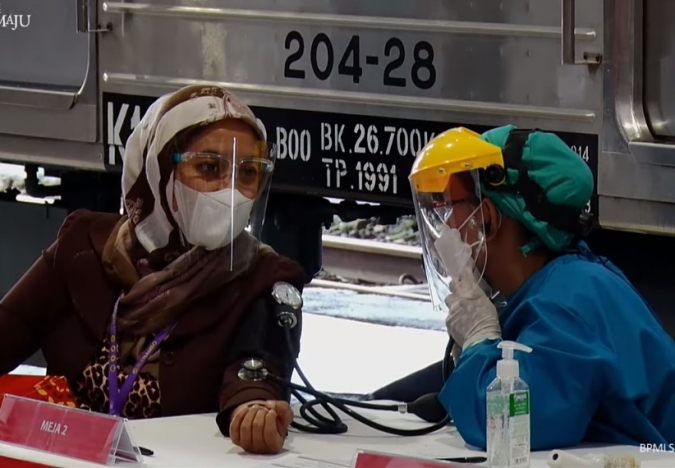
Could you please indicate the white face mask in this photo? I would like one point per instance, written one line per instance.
(211, 220)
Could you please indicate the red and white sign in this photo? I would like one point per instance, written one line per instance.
(381, 460)
(66, 431)
(6, 462)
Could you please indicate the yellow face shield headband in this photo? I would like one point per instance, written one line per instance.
(454, 151)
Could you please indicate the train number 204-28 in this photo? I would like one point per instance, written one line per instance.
(422, 73)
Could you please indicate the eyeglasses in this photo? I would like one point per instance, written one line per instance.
(248, 173)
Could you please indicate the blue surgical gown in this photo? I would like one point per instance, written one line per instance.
(602, 369)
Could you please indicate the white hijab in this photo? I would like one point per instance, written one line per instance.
(159, 126)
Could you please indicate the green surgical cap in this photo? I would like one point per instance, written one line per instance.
(561, 173)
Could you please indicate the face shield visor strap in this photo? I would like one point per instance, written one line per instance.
(232, 205)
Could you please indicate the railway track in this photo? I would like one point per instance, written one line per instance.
(370, 262)
(366, 264)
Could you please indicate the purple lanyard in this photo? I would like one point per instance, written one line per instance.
(119, 397)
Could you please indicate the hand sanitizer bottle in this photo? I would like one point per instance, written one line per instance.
(508, 413)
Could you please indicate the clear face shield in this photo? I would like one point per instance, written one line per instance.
(451, 226)
(219, 193)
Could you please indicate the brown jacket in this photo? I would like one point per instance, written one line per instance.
(64, 303)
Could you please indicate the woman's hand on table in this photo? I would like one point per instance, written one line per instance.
(260, 427)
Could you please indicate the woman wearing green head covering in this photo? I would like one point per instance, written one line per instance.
(602, 368)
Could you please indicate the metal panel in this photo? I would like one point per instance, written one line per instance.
(48, 88)
(57, 153)
(636, 170)
(659, 73)
(248, 49)
(371, 69)
(30, 28)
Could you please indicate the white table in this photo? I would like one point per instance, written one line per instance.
(194, 441)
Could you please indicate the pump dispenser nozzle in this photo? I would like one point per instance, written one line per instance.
(507, 367)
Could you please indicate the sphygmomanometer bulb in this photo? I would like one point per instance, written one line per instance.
(428, 407)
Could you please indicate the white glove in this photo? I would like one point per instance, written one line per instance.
(472, 317)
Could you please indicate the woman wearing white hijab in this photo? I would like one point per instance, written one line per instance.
(151, 314)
